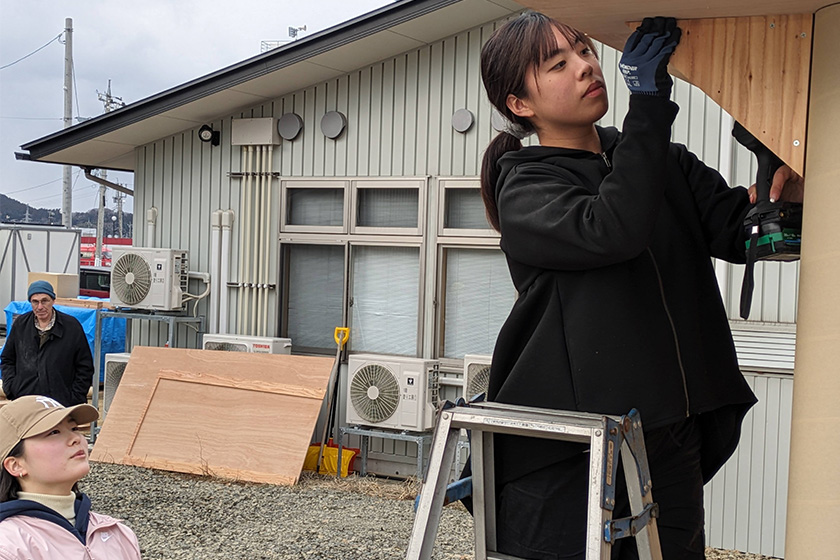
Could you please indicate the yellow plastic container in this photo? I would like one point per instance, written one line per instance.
(329, 463)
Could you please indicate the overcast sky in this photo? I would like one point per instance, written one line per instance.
(143, 48)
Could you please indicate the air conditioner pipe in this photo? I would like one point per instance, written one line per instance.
(245, 240)
(262, 236)
(204, 277)
(224, 270)
(151, 220)
(253, 275)
(269, 235)
(216, 286)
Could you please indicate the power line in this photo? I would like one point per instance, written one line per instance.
(75, 88)
(35, 187)
(57, 37)
(79, 172)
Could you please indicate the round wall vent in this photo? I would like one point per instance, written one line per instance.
(333, 123)
(289, 126)
(462, 120)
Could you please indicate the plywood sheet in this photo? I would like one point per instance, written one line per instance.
(229, 414)
(606, 20)
(758, 70)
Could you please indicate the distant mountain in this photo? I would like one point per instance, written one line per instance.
(13, 211)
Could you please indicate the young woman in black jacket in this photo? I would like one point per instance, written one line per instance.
(609, 238)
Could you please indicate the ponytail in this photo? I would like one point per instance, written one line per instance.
(503, 142)
(516, 48)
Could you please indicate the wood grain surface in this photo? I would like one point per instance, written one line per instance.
(227, 414)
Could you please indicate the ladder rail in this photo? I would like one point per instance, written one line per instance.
(433, 492)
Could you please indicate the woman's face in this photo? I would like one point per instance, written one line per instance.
(52, 462)
(565, 94)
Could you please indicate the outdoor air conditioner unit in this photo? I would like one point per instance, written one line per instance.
(149, 278)
(392, 392)
(476, 375)
(236, 343)
(114, 369)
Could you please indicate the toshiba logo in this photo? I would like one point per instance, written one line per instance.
(262, 346)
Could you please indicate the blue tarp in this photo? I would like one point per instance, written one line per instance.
(113, 329)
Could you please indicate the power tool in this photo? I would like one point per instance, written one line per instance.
(774, 228)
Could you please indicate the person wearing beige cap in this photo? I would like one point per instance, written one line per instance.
(43, 515)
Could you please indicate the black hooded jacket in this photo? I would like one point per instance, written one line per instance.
(618, 303)
(61, 369)
(34, 509)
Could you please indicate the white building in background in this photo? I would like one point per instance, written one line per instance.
(348, 161)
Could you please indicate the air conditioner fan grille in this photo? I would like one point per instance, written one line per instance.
(374, 393)
(225, 346)
(479, 379)
(131, 278)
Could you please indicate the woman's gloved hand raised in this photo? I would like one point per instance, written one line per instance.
(644, 63)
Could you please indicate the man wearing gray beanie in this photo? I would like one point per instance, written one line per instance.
(46, 352)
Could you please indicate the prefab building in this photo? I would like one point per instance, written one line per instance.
(334, 182)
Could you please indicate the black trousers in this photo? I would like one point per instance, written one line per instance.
(542, 516)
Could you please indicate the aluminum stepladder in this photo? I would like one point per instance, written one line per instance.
(605, 435)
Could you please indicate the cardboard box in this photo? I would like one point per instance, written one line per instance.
(65, 285)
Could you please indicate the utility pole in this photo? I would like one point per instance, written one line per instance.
(67, 185)
(110, 103)
(118, 200)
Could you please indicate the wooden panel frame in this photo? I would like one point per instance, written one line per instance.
(228, 414)
(758, 70)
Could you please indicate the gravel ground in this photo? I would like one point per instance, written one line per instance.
(321, 518)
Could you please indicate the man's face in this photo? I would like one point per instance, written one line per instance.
(42, 306)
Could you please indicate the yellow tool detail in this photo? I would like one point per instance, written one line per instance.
(341, 335)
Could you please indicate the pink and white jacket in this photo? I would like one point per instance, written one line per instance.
(30, 531)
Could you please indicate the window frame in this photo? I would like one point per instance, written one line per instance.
(283, 314)
(421, 184)
(440, 290)
(453, 183)
(287, 185)
(421, 296)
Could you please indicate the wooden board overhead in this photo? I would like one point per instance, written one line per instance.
(752, 58)
(228, 414)
(758, 70)
(606, 20)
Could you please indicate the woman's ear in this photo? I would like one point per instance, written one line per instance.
(519, 107)
(14, 466)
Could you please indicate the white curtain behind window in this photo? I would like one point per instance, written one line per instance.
(464, 210)
(385, 300)
(387, 207)
(315, 207)
(316, 284)
(479, 295)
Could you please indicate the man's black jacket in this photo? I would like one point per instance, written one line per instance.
(62, 368)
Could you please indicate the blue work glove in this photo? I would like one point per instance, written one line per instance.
(644, 63)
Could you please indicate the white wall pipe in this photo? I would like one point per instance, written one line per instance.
(269, 234)
(151, 222)
(215, 286)
(252, 323)
(224, 269)
(263, 236)
(244, 241)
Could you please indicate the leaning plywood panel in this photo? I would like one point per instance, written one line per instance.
(228, 414)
